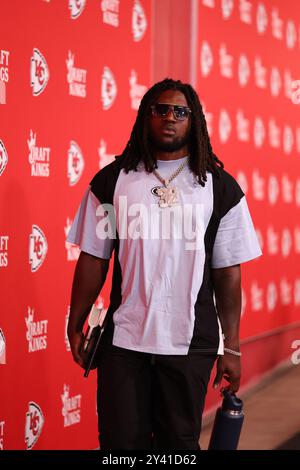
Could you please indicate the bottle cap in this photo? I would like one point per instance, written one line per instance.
(231, 401)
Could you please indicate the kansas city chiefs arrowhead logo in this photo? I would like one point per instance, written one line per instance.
(3, 157)
(39, 72)
(75, 163)
(38, 247)
(33, 424)
(76, 7)
(2, 348)
(108, 89)
(139, 21)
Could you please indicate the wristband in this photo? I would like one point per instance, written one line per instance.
(231, 351)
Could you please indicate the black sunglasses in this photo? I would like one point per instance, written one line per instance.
(162, 110)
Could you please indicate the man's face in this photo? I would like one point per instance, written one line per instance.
(166, 133)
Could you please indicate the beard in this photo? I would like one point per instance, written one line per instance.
(177, 144)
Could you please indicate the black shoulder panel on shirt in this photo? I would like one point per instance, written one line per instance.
(104, 182)
(227, 193)
(103, 187)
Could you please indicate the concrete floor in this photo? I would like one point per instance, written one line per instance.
(272, 414)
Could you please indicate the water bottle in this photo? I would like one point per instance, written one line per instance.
(228, 423)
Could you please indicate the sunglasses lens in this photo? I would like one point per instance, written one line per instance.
(180, 112)
(162, 110)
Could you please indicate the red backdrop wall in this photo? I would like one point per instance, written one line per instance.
(71, 77)
(247, 76)
(72, 74)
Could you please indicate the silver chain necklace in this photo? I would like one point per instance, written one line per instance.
(168, 196)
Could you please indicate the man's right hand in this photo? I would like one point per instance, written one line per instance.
(89, 277)
(76, 343)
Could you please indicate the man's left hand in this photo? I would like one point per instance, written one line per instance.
(229, 367)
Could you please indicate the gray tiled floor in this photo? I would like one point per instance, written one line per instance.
(272, 414)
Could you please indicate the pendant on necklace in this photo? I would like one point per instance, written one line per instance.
(168, 196)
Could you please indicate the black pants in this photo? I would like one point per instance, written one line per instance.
(151, 401)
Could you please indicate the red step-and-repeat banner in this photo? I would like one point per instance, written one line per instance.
(248, 78)
(72, 73)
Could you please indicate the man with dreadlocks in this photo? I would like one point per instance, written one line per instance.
(175, 301)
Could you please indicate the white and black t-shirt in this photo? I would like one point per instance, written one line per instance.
(162, 299)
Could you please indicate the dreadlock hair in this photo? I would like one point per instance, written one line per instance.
(201, 159)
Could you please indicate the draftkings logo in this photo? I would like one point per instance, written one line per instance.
(39, 72)
(73, 251)
(33, 424)
(108, 89)
(3, 157)
(139, 21)
(110, 10)
(76, 7)
(104, 157)
(2, 423)
(71, 407)
(75, 163)
(4, 74)
(36, 334)
(38, 157)
(4, 251)
(38, 248)
(2, 348)
(227, 8)
(76, 78)
(136, 91)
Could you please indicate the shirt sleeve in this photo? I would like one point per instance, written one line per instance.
(236, 240)
(83, 231)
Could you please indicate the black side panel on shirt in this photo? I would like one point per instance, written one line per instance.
(226, 193)
(104, 182)
(103, 187)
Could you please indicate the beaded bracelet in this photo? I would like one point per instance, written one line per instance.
(231, 351)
